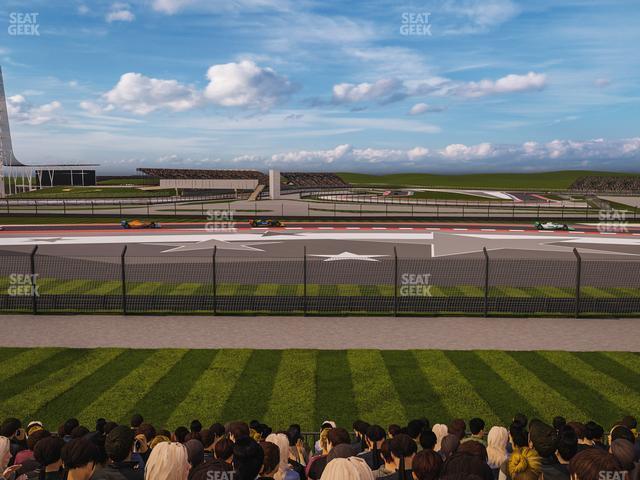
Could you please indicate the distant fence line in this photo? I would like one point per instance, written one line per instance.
(219, 284)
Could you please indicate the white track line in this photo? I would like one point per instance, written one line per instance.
(516, 230)
(293, 228)
(432, 228)
(325, 228)
(405, 228)
(487, 229)
(353, 228)
(378, 228)
(460, 229)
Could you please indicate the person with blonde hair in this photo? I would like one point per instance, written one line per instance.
(352, 468)
(168, 461)
(441, 431)
(497, 441)
(284, 469)
(525, 464)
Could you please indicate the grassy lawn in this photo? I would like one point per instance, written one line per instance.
(511, 181)
(172, 387)
(129, 181)
(95, 192)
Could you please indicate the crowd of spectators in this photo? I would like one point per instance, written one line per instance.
(526, 450)
(203, 174)
(613, 184)
(312, 180)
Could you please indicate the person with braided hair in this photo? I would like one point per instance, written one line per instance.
(525, 464)
(403, 448)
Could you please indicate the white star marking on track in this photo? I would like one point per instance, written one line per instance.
(350, 256)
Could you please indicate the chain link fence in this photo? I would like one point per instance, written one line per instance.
(318, 284)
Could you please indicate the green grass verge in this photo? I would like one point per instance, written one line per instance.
(560, 180)
(171, 387)
(95, 192)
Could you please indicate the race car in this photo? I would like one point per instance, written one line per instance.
(552, 226)
(139, 224)
(265, 222)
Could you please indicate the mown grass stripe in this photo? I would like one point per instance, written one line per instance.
(72, 401)
(412, 384)
(209, 394)
(168, 391)
(69, 286)
(294, 389)
(497, 393)
(547, 401)
(595, 292)
(334, 389)
(592, 402)
(185, 289)
(628, 360)
(16, 360)
(122, 396)
(33, 369)
(374, 391)
(458, 398)
(32, 398)
(613, 369)
(252, 392)
(106, 288)
(617, 393)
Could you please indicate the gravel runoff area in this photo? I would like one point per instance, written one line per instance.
(385, 333)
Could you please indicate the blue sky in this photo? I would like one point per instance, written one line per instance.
(370, 86)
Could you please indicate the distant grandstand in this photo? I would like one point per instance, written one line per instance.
(617, 184)
(312, 180)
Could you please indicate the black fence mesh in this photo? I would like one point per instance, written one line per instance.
(318, 284)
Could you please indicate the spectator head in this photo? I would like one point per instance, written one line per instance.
(525, 464)
(497, 440)
(136, 420)
(519, 435)
(80, 455)
(567, 443)
(119, 443)
(294, 434)
(33, 427)
(449, 445)
(360, 428)
(195, 426)
(271, 461)
(385, 453)
(580, 429)
(465, 466)
(630, 422)
(324, 440)
(414, 428)
(223, 449)
(217, 429)
(559, 422)
(352, 468)
(247, 458)
(337, 436)
(591, 462)
(426, 465)
(375, 437)
(543, 438)
(69, 425)
(281, 441)
(522, 419)
(238, 430)
(35, 437)
(441, 431)
(48, 452)
(195, 452)
(474, 447)
(620, 431)
(624, 451)
(328, 424)
(79, 432)
(159, 439)
(403, 448)
(594, 432)
(180, 434)
(108, 427)
(458, 427)
(394, 430)
(476, 426)
(147, 430)
(10, 427)
(208, 438)
(428, 440)
(100, 423)
(98, 439)
(167, 461)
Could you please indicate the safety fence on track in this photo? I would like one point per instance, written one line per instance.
(316, 284)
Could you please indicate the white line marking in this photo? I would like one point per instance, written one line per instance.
(293, 228)
(460, 229)
(405, 228)
(325, 228)
(432, 228)
(378, 228)
(353, 228)
(516, 230)
(487, 229)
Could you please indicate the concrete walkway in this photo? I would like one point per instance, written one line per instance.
(446, 333)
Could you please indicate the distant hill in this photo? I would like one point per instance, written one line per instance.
(560, 180)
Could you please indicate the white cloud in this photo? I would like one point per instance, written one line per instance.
(477, 16)
(171, 7)
(420, 108)
(379, 90)
(459, 151)
(508, 84)
(141, 95)
(245, 84)
(602, 82)
(120, 12)
(21, 111)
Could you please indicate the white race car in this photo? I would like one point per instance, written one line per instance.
(552, 226)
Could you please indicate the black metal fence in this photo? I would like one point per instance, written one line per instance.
(313, 284)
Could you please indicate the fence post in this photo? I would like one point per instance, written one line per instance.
(395, 282)
(8, 213)
(486, 281)
(123, 276)
(92, 212)
(64, 207)
(34, 291)
(578, 279)
(214, 278)
(304, 281)
(120, 205)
